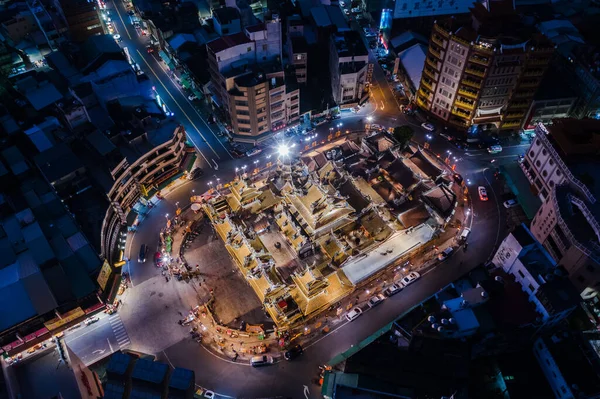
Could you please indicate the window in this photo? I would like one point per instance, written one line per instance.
(544, 152)
(538, 163)
(531, 154)
(531, 288)
(249, 49)
(521, 274)
(563, 389)
(544, 173)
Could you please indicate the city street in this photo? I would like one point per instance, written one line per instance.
(151, 320)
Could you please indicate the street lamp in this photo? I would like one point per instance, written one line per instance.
(283, 150)
(369, 119)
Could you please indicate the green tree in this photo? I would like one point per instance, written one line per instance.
(403, 134)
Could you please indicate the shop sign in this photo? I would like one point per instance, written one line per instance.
(104, 275)
(66, 318)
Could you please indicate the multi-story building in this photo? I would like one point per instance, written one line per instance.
(249, 83)
(416, 8)
(19, 26)
(227, 21)
(523, 257)
(561, 167)
(348, 65)
(298, 56)
(261, 102)
(483, 73)
(82, 18)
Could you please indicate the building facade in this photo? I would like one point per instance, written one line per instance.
(567, 223)
(82, 18)
(348, 64)
(472, 76)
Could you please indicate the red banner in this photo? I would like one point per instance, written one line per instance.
(30, 337)
(41, 332)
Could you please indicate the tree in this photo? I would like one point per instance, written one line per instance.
(403, 134)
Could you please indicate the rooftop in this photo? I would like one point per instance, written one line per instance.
(349, 44)
(225, 42)
(226, 15)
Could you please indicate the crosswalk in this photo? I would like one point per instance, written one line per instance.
(119, 330)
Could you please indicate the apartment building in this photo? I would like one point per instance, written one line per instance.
(348, 65)
(261, 102)
(249, 83)
(562, 166)
(485, 72)
(20, 26)
(298, 56)
(82, 18)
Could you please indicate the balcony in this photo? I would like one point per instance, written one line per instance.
(437, 40)
(475, 71)
(458, 121)
(519, 104)
(465, 104)
(534, 73)
(471, 82)
(432, 63)
(430, 73)
(524, 94)
(479, 60)
(510, 124)
(443, 32)
(529, 83)
(537, 61)
(468, 93)
(461, 112)
(435, 52)
(422, 103)
(461, 41)
(426, 84)
(514, 114)
(483, 49)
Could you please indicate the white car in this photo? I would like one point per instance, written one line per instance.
(375, 300)
(355, 10)
(445, 254)
(117, 37)
(428, 126)
(342, 3)
(353, 314)
(91, 320)
(482, 193)
(510, 203)
(254, 151)
(393, 289)
(192, 97)
(375, 126)
(410, 278)
(495, 149)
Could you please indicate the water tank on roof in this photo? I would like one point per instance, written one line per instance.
(435, 326)
(441, 329)
(445, 322)
(464, 304)
(431, 319)
(484, 294)
(452, 321)
(499, 279)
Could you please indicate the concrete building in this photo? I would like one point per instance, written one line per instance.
(227, 21)
(477, 74)
(19, 26)
(560, 165)
(82, 18)
(260, 102)
(522, 256)
(249, 84)
(348, 65)
(570, 363)
(416, 8)
(298, 56)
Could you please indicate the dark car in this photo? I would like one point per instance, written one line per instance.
(293, 352)
(142, 256)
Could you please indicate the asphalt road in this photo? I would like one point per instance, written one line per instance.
(98, 340)
(289, 378)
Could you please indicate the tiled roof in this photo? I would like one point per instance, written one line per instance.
(225, 42)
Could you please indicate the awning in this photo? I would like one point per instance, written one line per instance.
(166, 59)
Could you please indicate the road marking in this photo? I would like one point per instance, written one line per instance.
(86, 332)
(498, 208)
(185, 113)
(98, 351)
(123, 22)
(194, 108)
(110, 346)
(306, 392)
(222, 359)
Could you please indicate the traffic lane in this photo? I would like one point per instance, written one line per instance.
(289, 378)
(93, 342)
(170, 90)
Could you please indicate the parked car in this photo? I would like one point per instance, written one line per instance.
(117, 37)
(91, 320)
(262, 360)
(293, 353)
(375, 300)
(446, 136)
(393, 289)
(254, 151)
(192, 97)
(342, 3)
(494, 149)
(346, 11)
(410, 278)
(482, 193)
(194, 174)
(375, 126)
(353, 314)
(445, 253)
(142, 255)
(428, 126)
(510, 203)
(465, 234)
(355, 10)
(149, 49)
